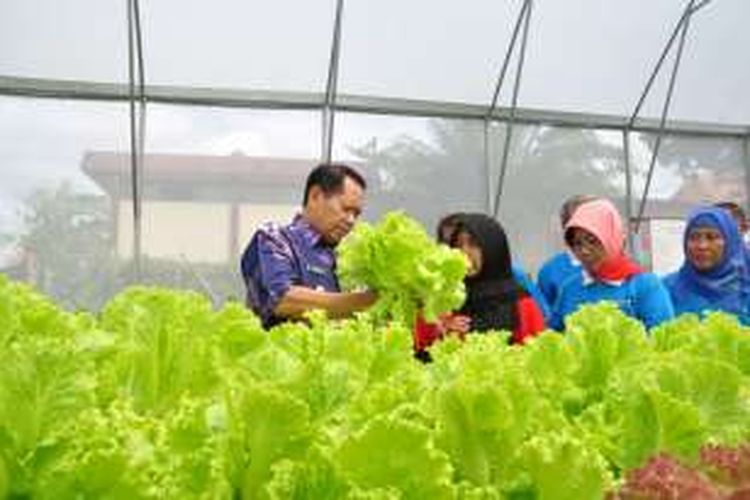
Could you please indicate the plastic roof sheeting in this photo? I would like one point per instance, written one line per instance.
(70, 39)
(589, 56)
(422, 49)
(278, 45)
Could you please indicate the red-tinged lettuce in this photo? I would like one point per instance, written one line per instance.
(664, 477)
(721, 473)
(730, 466)
(407, 268)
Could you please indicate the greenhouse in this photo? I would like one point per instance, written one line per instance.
(153, 138)
(144, 142)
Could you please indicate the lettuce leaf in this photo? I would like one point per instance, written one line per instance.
(408, 269)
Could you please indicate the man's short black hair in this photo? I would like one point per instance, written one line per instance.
(330, 178)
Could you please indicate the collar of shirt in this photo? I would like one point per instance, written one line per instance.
(306, 231)
(573, 260)
(588, 279)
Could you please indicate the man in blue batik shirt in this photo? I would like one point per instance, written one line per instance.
(291, 269)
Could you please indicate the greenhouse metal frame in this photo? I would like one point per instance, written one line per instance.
(139, 94)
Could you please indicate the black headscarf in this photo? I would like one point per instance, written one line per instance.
(492, 294)
(446, 228)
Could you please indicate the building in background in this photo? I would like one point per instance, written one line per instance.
(200, 208)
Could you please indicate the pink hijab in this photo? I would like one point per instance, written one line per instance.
(601, 218)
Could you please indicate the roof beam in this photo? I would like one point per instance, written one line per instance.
(255, 99)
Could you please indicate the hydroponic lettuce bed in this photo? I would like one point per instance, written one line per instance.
(160, 396)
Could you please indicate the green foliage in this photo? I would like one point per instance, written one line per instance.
(377, 457)
(164, 396)
(561, 466)
(410, 271)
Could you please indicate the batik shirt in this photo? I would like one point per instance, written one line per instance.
(279, 257)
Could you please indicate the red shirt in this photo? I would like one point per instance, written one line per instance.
(530, 323)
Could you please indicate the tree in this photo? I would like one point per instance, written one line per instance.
(70, 237)
(448, 173)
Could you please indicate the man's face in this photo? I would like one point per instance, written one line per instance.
(705, 248)
(334, 215)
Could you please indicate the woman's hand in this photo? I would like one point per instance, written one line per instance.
(458, 323)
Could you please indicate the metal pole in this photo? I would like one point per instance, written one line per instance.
(628, 187)
(683, 18)
(488, 162)
(141, 72)
(139, 49)
(506, 61)
(331, 86)
(493, 104)
(665, 111)
(700, 6)
(134, 147)
(514, 105)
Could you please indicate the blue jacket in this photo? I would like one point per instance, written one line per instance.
(553, 274)
(725, 287)
(642, 296)
(687, 301)
(524, 280)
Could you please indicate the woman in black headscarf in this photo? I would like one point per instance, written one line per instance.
(494, 299)
(491, 291)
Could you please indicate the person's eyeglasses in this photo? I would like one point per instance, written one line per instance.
(583, 240)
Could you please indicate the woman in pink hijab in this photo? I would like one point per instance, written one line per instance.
(596, 237)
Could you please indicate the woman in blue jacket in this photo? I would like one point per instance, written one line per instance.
(595, 236)
(714, 276)
(560, 266)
